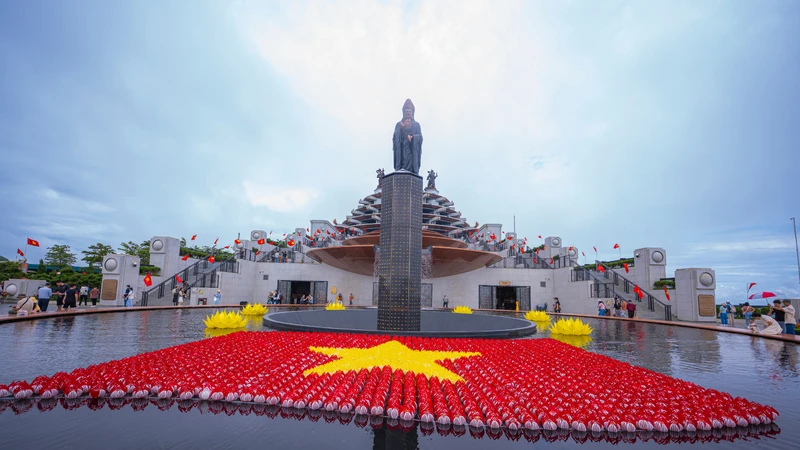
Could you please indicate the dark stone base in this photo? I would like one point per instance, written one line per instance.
(432, 323)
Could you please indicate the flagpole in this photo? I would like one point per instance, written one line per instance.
(796, 248)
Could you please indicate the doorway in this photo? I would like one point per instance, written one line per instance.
(506, 298)
(299, 289)
(292, 291)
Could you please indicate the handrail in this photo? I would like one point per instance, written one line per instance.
(651, 299)
(193, 270)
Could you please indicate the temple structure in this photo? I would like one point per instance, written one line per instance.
(477, 265)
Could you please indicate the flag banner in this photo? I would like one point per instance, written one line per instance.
(237, 241)
(600, 268)
(625, 265)
(194, 237)
(262, 241)
(666, 293)
(178, 279)
(540, 236)
(750, 286)
(487, 384)
(216, 240)
(211, 259)
(616, 246)
(33, 242)
(148, 280)
(595, 249)
(20, 253)
(185, 257)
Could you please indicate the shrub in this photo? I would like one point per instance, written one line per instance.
(153, 270)
(670, 284)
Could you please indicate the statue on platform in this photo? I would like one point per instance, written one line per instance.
(380, 175)
(432, 179)
(407, 141)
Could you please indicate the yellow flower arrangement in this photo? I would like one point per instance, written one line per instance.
(226, 320)
(571, 327)
(254, 309)
(335, 306)
(537, 316)
(461, 309)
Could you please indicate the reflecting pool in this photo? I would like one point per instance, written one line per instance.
(761, 370)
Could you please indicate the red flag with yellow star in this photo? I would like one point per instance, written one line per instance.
(148, 280)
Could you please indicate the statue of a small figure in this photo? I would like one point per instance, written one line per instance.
(379, 174)
(407, 141)
(432, 179)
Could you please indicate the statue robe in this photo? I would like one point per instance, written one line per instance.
(407, 155)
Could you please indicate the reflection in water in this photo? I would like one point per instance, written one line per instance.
(389, 434)
(577, 341)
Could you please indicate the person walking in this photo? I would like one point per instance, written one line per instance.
(445, 302)
(351, 299)
(217, 298)
(71, 297)
(601, 308)
(556, 305)
(43, 296)
(747, 311)
(61, 291)
(129, 296)
(624, 308)
(94, 295)
(631, 310)
(182, 295)
(778, 314)
(723, 315)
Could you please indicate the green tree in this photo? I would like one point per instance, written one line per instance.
(60, 255)
(141, 250)
(95, 254)
(41, 268)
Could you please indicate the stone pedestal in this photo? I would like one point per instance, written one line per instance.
(399, 267)
(695, 298)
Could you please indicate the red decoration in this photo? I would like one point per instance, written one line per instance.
(227, 246)
(595, 249)
(492, 236)
(237, 241)
(616, 246)
(185, 257)
(216, 240)
(178, 279)
(491, 387)
(666, 293)
(540, 236)
(583, 254)
(148, 280)
(290, 243)
(625, 265)
(262, 241)
(20, 252)
(600, 268)
(194, 237)
(33, 242)
(511, 238)
(211, 259)
(750, 286)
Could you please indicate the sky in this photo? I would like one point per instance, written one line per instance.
(667, 124)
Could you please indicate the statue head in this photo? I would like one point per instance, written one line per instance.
(408, 109)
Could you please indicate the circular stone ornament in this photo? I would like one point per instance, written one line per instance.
(657, 257)
(111, 264)
(706, 279)
(157, 245)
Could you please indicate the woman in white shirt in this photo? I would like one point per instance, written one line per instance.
(770, 325)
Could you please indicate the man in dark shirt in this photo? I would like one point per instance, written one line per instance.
(71, 298)
(631, 310)
(61, 291)
(778, 314)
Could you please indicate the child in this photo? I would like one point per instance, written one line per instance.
(751, 324)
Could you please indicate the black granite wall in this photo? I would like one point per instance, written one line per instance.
(399, 267)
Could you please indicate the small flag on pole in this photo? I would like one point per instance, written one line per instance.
(262, 241)
(625, 265)
(20, 252)
(178, 279)
(616, 246)
(666, 293)
(148, 280)
(33, 242)
(216, 240)
(750, 287)
(185, 257)
(600, 268)
(211, 259)
(194, 237)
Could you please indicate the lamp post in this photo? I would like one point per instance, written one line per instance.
(796, 248)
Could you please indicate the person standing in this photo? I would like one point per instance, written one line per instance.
(43, 296)
(310, 299)
(778, 314)
(217, 298)
(445, 302)
(601, 308)
(71, 297)
(84, 295)
(731, 313)
(747, 311)
(176, 293)
(351, 299)
(723, 315)
(61, 291)
(623, 308)
(556, 305)
(94, 296)
(790, 317)
(129, 296)
(617, 307)
(631, 310)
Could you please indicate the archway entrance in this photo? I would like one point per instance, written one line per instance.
(504, 297)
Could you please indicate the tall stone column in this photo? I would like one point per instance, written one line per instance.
(400, 264)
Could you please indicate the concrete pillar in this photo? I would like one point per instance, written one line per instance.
(118, 271)
(649, 266)
(165, 253)
(17, 286)
(695, 295)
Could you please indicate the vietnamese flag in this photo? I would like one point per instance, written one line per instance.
(194, 237)
(148, 280)
(595, 249)
(511, 238)
(211, 259)
(583, 254)
(178, 279)
(227, 246)
(216, 240)
(638, 291)
(625, 265)
(750, 287)
(492, 236)
(185, 257)
(33, 242)
(616, 246)
(486, 382)
(262, 241)
(237, 241)
(20, 252)
(600, 268)
(666, 293)
(540, 236)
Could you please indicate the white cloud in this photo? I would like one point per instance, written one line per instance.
(278, 198)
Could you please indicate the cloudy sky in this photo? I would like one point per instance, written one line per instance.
(670, 124)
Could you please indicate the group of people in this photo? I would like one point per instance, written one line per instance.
(781, 319)
(620, 308)
(66, 296)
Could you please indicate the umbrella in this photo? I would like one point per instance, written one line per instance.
(764, 294)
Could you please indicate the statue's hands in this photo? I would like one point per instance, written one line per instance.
(409, 138)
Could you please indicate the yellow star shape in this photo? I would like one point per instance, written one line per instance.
(392, 354)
